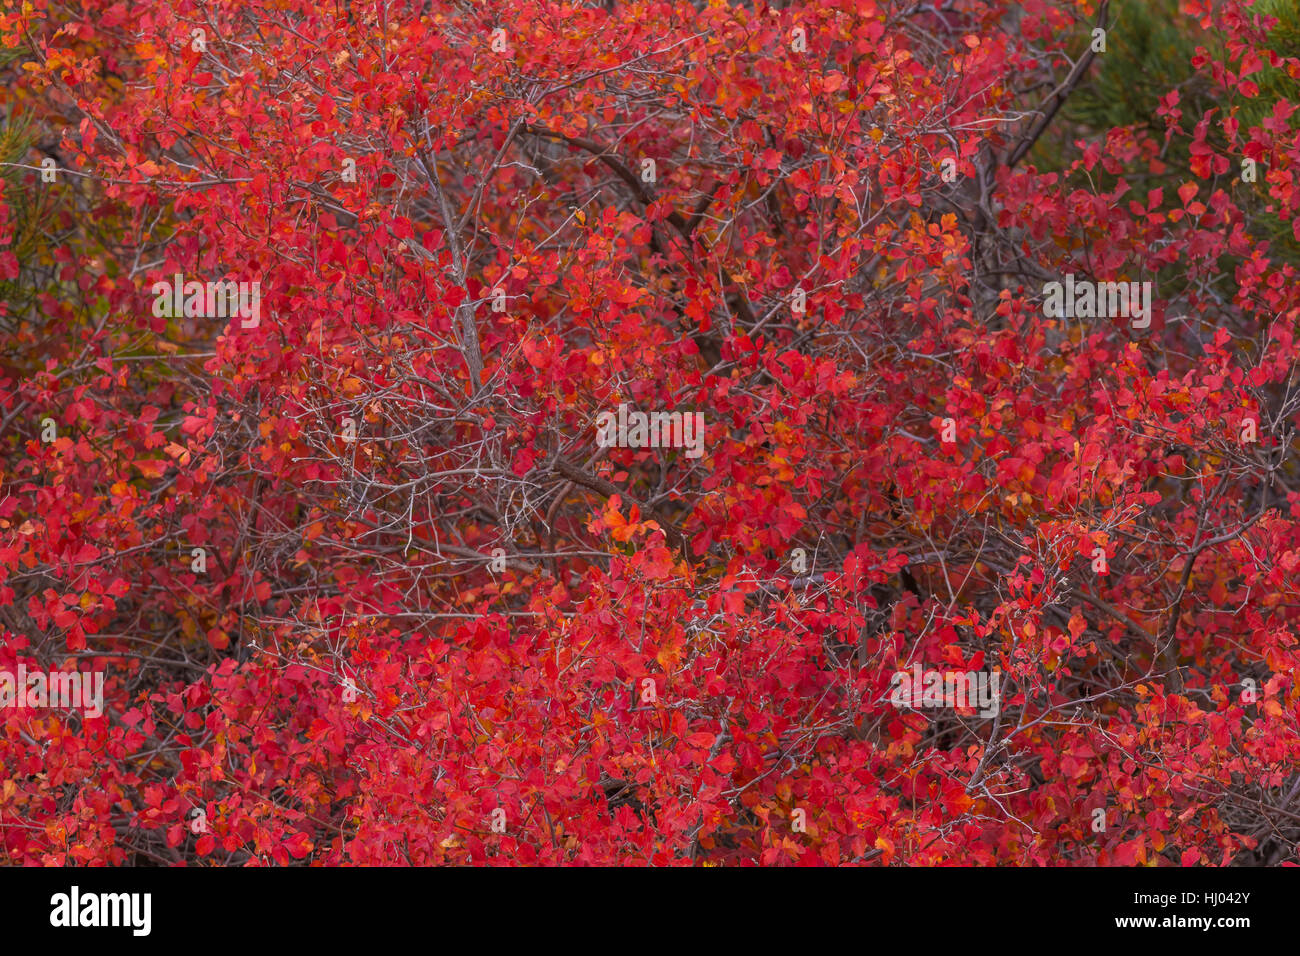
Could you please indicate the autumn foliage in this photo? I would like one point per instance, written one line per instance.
(434, 621)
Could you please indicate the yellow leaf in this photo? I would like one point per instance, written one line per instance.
(668, 655)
